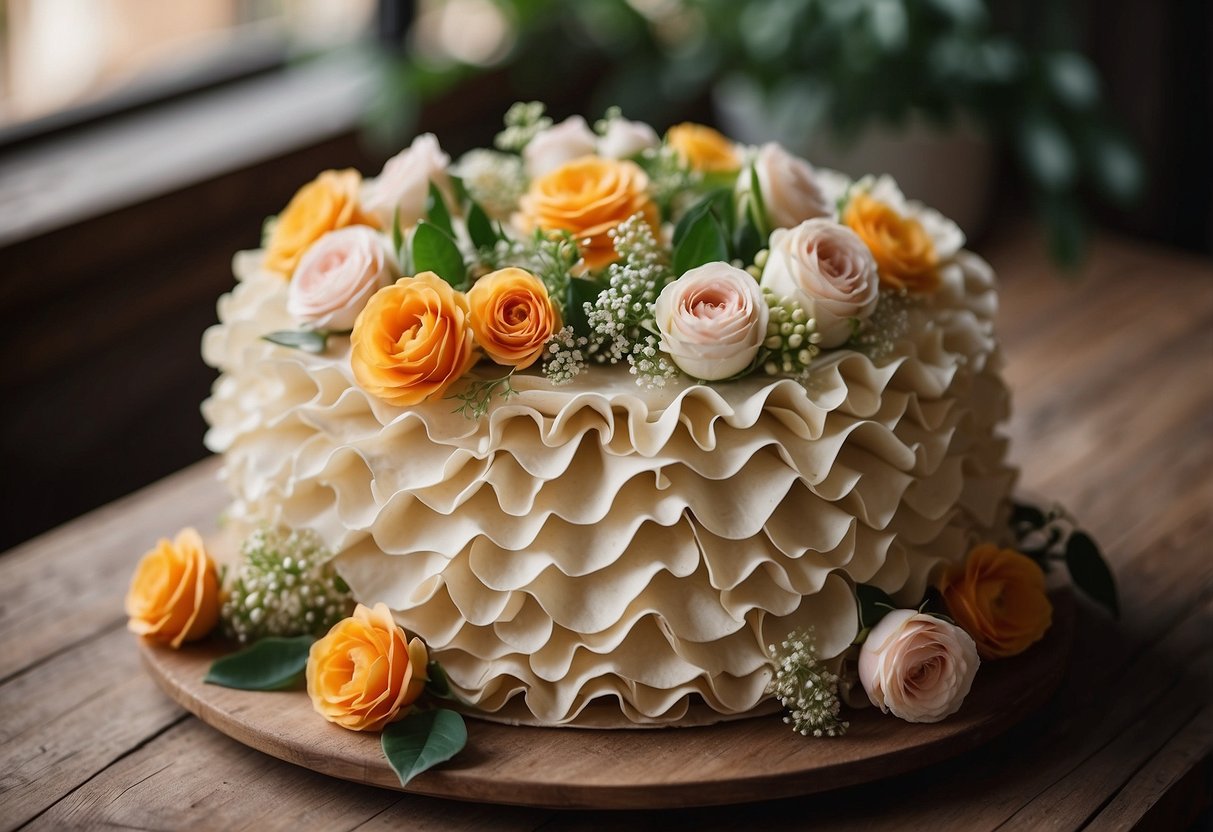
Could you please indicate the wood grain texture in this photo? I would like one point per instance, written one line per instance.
(730, 762)
(1112, 375)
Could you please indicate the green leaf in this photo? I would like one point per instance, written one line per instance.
(747, 237)
(269, 664)
(579, 293)
(436, 212)
(309, 340)
(435, 251)
(480, 229)
(397, 236)
(438, 685)
(717, 200)
(874, 604)
(422, 740)
(704, 242)
(759, 205)
(1090, 572)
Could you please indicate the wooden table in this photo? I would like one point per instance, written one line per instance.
(1113, 381)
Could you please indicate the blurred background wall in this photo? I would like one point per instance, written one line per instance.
(143, 142)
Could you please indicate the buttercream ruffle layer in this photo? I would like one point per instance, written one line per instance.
(598, 543)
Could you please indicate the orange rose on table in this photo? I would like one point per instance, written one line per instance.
(588, 197)
(998, 597)
(366, 672)
(702, 148)
(174, 594)
(512, 316)
(412, 340)
(904, 252)
(328, 202)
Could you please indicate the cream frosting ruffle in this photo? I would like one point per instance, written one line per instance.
(599, 543)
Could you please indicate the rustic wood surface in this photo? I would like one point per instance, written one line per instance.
(1113, 381)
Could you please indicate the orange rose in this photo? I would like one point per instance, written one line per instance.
(512, 316)
(904, 252)
(366, 673)
(328, 202)
(174, 595)
(702, 148)
(588, 197)
(412, 340)
(998, 597)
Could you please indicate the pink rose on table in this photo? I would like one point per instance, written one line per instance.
(338, 275)
(624, 139)
(712, 321)
(404, 183)
(790, 190)
(917, 666)
(570, 139)
(828, 270)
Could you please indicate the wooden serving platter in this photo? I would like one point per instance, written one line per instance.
(730, 762)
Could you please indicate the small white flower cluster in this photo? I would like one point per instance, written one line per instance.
(806, 687)
(622, 315)
(523, 121)
(672, 184)
(494, 180)
(564, 357)
(791, 337)
(650, 365)
(283, 587)
(889, 323)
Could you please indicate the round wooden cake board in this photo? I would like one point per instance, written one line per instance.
(730, 762)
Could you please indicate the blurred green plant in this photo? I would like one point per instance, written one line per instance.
(837, 67)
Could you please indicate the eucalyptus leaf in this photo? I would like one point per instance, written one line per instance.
(704, 242)
(435, 251)
(436, 211)
(480, 229)
(422, 740)
(269, 664)
(874, 604)
(1090, 572)
(309, 340)
(579, 293)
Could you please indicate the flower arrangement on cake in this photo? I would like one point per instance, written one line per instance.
(602, 422)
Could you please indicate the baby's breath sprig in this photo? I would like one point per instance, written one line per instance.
(554, 258)
(806, 687)
(564, 356)
(478, 394)
(673, 186)
(523, 121)
(792, 337)
(877, 337)
(496, 181)
(621, 317)
(284, 586)
(650, 365)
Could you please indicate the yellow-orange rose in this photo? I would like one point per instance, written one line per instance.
(904, 252)
(998, 597)
(412, 340)
(328, 202)
(366, 672)
(588, 197)
(174, 595)
(512, 316)
(702, 148)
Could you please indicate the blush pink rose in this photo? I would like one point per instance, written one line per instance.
(712, 321)
(338, 275)
(828, 270)
(917, 666)
(570, 139)
(790, 190)
(404, 183)
(624, 139)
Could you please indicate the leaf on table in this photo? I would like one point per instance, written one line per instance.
(422, 740)
(271, 663)
(1090, 572)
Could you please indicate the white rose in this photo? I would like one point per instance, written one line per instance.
(712, 321)
(338, 275)
(624, 139)
(404, 183)
(570, 139)
(828, 270)
(917, 666)
(791, 192)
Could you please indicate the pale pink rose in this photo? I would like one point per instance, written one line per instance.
(790, 190)
(404, 183)
(828, 270)
(712, 321)
(570, 139)
(624, 139)
(917, 666)
(338, 275)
